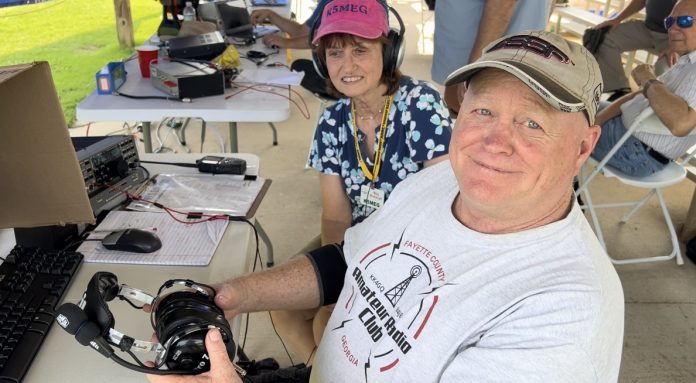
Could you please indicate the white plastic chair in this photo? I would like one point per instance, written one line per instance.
(673, 173)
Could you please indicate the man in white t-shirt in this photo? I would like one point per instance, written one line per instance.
(478, 269)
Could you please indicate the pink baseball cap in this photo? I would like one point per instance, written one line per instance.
(364, 18)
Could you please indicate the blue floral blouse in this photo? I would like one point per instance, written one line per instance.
(419, 129)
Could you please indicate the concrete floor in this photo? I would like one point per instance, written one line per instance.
(660, 333)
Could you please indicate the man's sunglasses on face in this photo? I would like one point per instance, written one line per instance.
(682, 21)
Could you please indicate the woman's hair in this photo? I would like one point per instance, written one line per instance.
(391, 80)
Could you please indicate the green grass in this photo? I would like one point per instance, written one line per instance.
(76, 37)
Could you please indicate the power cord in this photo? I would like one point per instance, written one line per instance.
(258, 262)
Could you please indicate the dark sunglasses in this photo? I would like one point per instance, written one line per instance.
(682, 21)
(532, 44)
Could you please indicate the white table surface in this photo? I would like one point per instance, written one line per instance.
(247, 106)
(62, 359)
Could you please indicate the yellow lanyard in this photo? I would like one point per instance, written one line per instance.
(372, 175)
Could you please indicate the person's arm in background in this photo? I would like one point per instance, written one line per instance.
(297, 33)
(291, 27)
(494, 22)
(336, 214)
(614, 109)
(671, 109)
(631, 9)
(295, 42)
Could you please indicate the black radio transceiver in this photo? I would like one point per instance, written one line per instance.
(221, 165)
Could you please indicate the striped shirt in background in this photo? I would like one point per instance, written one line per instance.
(680, 79)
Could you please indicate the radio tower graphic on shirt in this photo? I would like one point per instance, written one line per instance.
(395, 293)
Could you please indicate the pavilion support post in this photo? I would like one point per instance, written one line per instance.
(124, 23)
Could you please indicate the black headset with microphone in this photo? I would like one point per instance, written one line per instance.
(392, 54)
(180, 319)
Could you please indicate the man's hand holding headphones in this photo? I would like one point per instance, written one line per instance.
(229, 299)
(221, 368)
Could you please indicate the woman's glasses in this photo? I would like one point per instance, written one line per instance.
(682, 21)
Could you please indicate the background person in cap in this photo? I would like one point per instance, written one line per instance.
(672, 97)
(478, 269)
(401, 126)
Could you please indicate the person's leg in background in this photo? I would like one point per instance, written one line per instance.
(632, 158)
(297, 327)
(628, 36)
(319, 324)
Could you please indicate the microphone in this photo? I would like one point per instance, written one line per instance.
(70, 317)
(89, 335)
(73, 320)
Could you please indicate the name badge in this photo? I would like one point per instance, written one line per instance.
(371, 197)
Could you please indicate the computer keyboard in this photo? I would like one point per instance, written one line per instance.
(32, 283)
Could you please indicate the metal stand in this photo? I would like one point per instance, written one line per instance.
(264, 237)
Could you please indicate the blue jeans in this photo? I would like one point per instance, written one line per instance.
(632, 158)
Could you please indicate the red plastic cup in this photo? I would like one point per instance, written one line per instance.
(146, 54)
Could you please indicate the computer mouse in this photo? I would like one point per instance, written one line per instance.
(132, 240)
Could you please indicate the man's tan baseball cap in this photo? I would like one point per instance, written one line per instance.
(563, 73)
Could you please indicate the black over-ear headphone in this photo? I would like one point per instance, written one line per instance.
(392, 55)
(180, 319)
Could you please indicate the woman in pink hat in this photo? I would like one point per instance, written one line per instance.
(384, 127)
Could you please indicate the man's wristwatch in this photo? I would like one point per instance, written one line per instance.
(648, 84)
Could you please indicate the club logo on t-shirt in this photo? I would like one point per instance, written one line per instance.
(394, 293)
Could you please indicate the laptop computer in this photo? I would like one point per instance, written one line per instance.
(230, 20)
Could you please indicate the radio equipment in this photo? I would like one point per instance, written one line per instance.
(186, 79)
(110, 166)
(201, 47)
(221, 165)
(111, 77)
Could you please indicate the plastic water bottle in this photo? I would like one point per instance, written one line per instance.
(189, 12)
